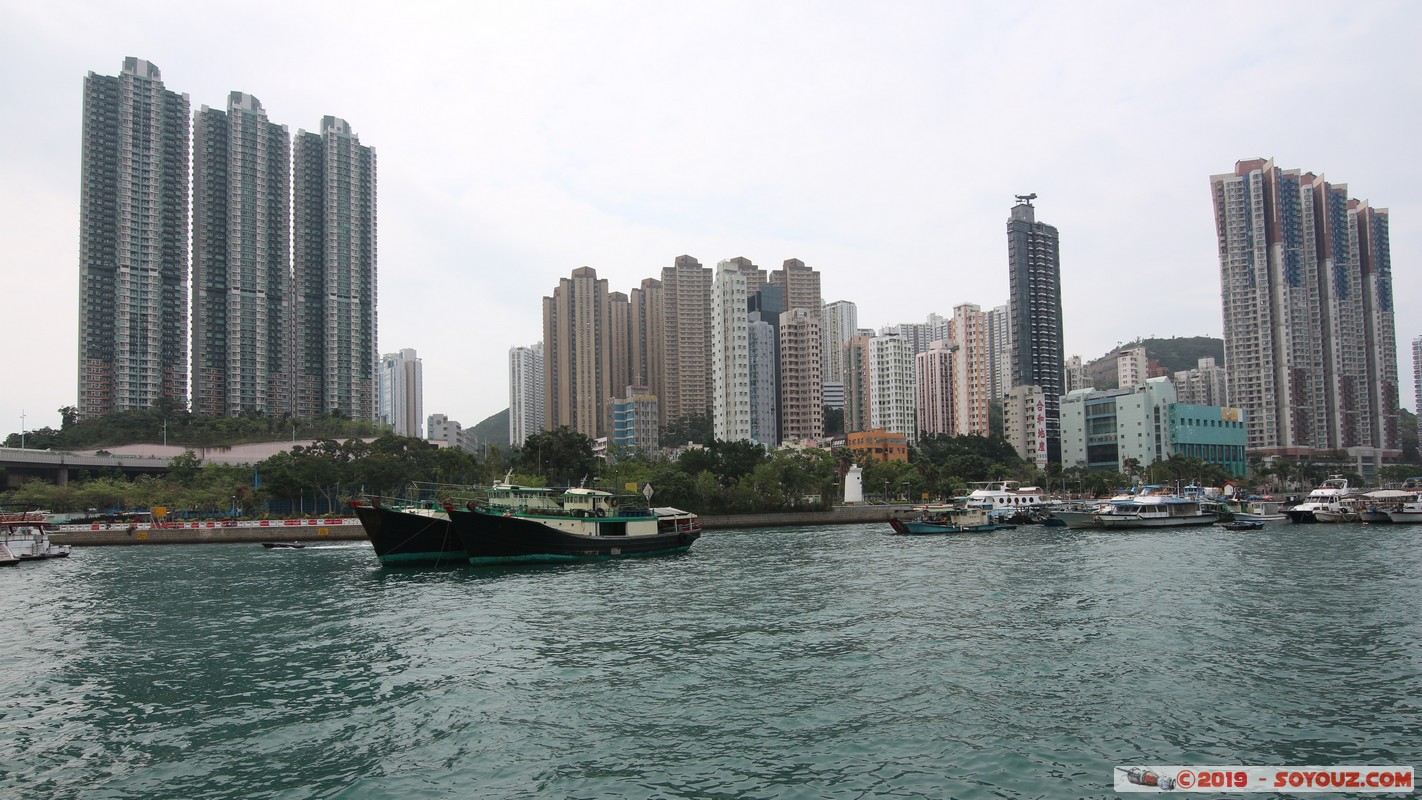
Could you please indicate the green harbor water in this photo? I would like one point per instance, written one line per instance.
(831, 662)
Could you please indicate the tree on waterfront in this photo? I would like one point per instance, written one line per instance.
(563, 456)
(688, 429)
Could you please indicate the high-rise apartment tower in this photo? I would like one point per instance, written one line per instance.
(335, 269)
(242, 311)
(133, 242)
(402, 393)
(526, 397)
(1035, 303)
(1306, 290)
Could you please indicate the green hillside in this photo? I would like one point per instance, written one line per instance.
(1174, 354)
(494, 430)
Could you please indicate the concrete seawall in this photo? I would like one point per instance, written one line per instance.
(350, 530)
(120, 535)
(843, 515)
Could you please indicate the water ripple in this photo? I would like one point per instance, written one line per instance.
(812, 662)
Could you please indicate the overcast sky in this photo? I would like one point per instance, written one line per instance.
(880, 143)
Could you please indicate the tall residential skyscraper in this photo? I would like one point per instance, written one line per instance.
(858, 394)
(686, 340)
(1035, 303)
(335, 270)
(1417, 381)
(730, 354)
(619, 345)
(402, 393)
(646, 326)
(891, 385)
(933, 389)
(802, 411)
(577, 359)
(764, 383)
(1000, 350)
(972, 371)
(1306, 288)
(133, 242)
(801, 285)
(841, 319)
(526, 398)
(242, 312)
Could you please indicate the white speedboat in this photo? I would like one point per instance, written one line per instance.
(1326, 494)
(25, 537)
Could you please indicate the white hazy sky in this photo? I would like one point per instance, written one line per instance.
(881, 143)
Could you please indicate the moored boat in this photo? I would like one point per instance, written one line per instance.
(945, 519)
(1377, 506)
(409, 533)
(516, 524)
(1409, 513)
(1154, 507)
(1255, 509)
(1242, 525)
(24, 536)
(1346, 509)
(1009, 501)
(1325, 494)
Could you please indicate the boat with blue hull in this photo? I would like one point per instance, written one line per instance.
(520, 524)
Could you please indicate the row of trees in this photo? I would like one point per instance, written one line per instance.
(716, 478)
(170, 421)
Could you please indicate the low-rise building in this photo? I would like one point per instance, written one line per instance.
(633, 422)
(878, 444)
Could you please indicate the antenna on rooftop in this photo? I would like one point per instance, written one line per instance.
(1026, 199)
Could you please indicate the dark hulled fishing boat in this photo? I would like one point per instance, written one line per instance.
(409, 534)
(534, 524)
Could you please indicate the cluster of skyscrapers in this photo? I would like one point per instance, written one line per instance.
(220, 228)
(762, 356)
(283, 258)
(1306, 286)
(1310, 365)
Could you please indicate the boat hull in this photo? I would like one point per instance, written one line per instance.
(1078, 519)
(912, 527)
(489, 538)
(1125, 522)
(401, 537)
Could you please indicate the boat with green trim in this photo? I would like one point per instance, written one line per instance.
(409, 533)
(945, 519)
(522, 523)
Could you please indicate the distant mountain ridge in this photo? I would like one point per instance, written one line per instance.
(1174, 354)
